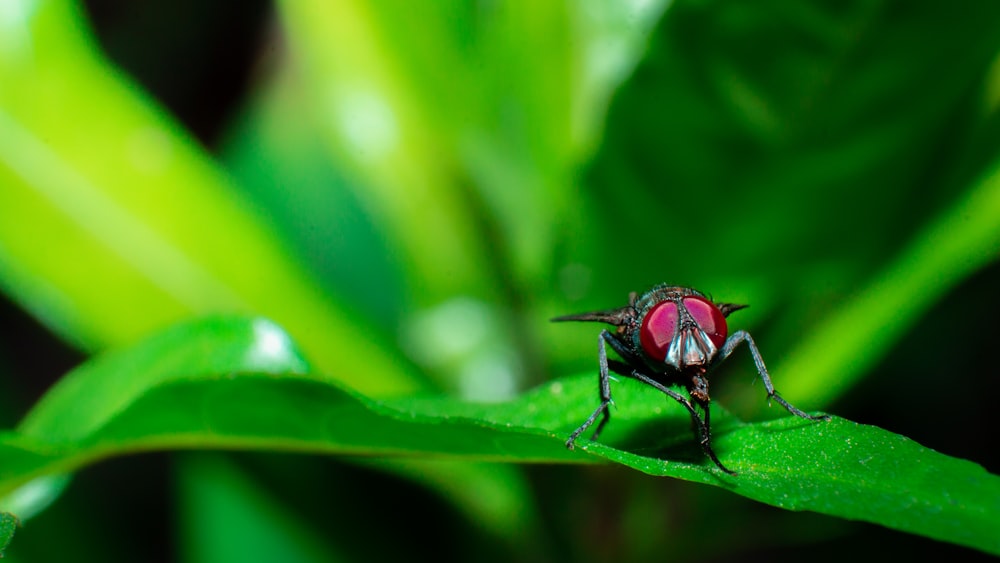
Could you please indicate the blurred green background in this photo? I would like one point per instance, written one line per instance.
(413, 190)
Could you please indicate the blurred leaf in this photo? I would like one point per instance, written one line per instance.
(34, 497)
(226, 517)
(275, 150)
(465, 138)
(113, 222)
(837, 352)
(234, 401)
(372, 114)
(612, 39)
(750, 134)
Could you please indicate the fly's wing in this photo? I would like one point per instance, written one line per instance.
(615, 317)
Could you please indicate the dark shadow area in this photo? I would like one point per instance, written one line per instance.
(197, 58)
(31, 360)
(661, 438)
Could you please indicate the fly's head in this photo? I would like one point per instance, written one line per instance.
(679, 327)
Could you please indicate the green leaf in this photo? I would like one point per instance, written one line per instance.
(36, 496)
(438, 116)
(228, 517)
(373, 116)
(8, 525)
(98, 391)
(140, 228)
(228, 384)
(841, 349)
(790, 134)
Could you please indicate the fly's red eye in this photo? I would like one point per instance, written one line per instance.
(658, 328)
(709, 318)
(660, 325)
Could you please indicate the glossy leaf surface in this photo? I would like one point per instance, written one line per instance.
(240, 384)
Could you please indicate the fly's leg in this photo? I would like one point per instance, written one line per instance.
(703, 425)
(735, 340)
(605, 390)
